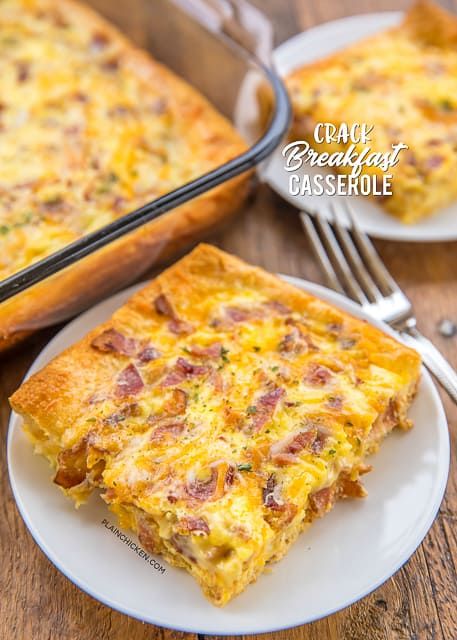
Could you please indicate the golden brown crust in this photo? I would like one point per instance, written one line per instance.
(120, 263)
(195, 277)
(432, 24)
(320, 389)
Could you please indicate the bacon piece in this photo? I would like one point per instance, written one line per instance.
(335, 329)
(72, 465)
(212, 351)
(265, 407)
(114, 419)
(164, 307)
(172, 378)
(433, 162)
(22, 71)
(279, 518)
(319, 442)
(283, 459)
(129, 382)
(148, 353)
(114, 341)
(181, 544)
(301, 334)
(237, 314)
(57, 203)
(168, 430)
(321, 501)
(335, 402)
(175, 406)
(120, 110)
(285, 451)
(280, 512)
(112, 64)
(318, 375)
(159, 106)
(389, 418)
(348, 488)
(183, 370)
(270, 494)
(180, 327)
(98, 41)
(193, 524)
(296, 342)
(277, 307)
(146, 536)
(230, 475)
(291, 342)
(79, 96)
(348, 343)
(130, 410)
(203, 489)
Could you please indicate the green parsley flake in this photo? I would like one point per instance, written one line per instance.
(446, 105)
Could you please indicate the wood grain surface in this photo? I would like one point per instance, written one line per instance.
(418, 602)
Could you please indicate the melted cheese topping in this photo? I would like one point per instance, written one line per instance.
(90, 129)
(405, 84)
(212, 408)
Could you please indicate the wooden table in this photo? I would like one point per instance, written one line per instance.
(419, 602)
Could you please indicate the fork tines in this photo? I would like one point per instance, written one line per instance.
(353, 268)
(349, 260)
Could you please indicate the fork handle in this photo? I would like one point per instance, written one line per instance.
(433, 360)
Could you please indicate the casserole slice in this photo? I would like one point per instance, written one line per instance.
(218, 413)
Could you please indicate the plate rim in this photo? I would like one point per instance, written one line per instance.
(315, 289)
(402, 232)
(340, 23)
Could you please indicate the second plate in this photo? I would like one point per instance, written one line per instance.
(318, 43)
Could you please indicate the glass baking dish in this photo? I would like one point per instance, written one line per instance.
(189, 37)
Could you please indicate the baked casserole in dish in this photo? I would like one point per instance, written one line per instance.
(403, 83)
(91, 128)
(219, 412)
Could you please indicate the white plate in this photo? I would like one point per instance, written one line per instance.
(340, 559)
(318, 43)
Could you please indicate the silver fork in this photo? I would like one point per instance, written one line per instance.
(353, 267)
